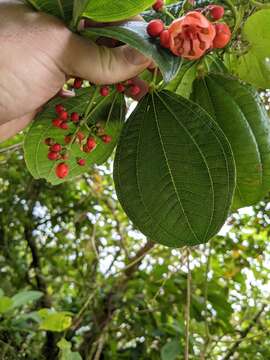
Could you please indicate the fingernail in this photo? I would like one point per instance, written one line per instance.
(134, 56)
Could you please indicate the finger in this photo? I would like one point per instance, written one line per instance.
(12, 127)
(101, 65)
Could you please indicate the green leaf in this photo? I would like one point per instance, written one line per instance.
(25, 297)
(113, 10)
(171, 350)
(182, 84)
(134, 34)
(239, 112)
(254, 66)
(54, 321)
(59, 8)
(5, 304)
(65, 351)
(109, 110)
(174, 171)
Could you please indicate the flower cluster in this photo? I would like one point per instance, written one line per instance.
(192, 35)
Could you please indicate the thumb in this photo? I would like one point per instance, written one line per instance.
(102, 65)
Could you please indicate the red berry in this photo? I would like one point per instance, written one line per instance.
(56, 147)
(104, 91)
(165, 39)
(135, 90)
(158, 5)
(75, 117)
(81, 162)
(49, 141)
(77, 83)
(91, 143)
(216, 11)
(62, 170)
(155, 27)
(120, 87)
(80, 136)
(53, 155)
(64, 126)
(68, 139)
(63, 115)
(57, 122)
(223, 35)
(59, 108)
(106, 139)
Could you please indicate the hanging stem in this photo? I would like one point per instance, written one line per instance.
(187, 309)
(260, 5)
(207, 334)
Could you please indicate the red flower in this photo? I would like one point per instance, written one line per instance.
(191, 35)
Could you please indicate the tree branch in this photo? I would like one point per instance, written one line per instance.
(109, 305)
(244, 334)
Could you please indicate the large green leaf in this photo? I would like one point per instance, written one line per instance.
(110, 110)
(25, 297)
(254, 66)
(112, 10)
(240, 114)
(134, 34)
(174, 171)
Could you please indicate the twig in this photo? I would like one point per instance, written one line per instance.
(11, 148)
(187, 308)
(207, 335)
(244, 334)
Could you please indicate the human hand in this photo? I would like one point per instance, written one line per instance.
(38, 54)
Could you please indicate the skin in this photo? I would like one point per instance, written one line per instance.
(38, 54)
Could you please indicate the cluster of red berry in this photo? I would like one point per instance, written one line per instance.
(87, 144)
(129, 86)
(194, 33)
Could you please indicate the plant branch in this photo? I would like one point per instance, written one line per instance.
(244, 334)
(187, 308)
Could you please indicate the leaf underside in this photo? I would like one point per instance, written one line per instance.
(134, 34)
(174, 171)
(239, 112)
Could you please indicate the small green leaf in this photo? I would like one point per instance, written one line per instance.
(174, 171)
(182, 84)
(110, 111)
(134, 34)
(25, 297)
(65, 351)
(171, 350)
(254, 66)
(6, 304)
(113, 10)
(54, 321)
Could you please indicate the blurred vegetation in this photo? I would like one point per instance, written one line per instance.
(88, 283)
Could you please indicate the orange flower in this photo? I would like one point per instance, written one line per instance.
(191, 35)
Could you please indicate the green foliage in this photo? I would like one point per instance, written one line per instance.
(166, 165)
(134, 33)
(66, 353)
(118, 10)
(54, 321)
(253, 66)
(239, 112)
(109, 111)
